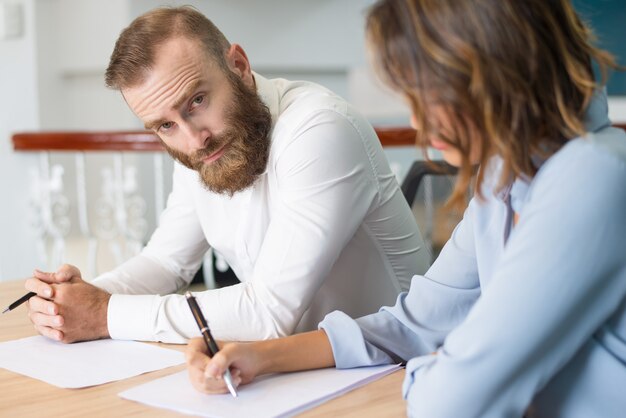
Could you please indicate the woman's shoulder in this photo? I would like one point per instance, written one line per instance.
(596, 158)
(587, 176)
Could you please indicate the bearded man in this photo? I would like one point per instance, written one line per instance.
(286, 180)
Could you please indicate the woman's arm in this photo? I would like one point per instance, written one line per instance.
(306, 351)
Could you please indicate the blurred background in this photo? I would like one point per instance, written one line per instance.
(53, 54)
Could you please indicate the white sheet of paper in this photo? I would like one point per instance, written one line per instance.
(84, 364)
(274, 395)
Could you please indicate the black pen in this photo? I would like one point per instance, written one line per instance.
(19, 301)
(208, 338)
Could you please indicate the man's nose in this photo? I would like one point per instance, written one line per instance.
(197, 136)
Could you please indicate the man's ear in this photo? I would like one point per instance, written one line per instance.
(238, 63)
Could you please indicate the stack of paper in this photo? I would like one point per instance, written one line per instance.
(269, 396)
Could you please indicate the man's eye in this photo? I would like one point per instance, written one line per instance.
(198, 100)
(166, 125)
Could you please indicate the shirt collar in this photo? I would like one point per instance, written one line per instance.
(597, 114)
(269, 94)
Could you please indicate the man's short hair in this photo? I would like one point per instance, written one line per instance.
(133, 55)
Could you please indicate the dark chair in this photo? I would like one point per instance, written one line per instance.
(426, 188)
(418, 171)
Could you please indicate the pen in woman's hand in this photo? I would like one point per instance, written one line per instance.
(19, 301)
(208, 338)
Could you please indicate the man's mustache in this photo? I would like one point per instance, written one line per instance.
(198, 155)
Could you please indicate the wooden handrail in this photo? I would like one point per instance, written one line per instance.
(87, 141)
(147, 141)
(396, 136)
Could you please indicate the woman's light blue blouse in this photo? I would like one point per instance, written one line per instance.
(525, 320)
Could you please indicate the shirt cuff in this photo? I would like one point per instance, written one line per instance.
(129, 317)
(411, 367)
(350, 348)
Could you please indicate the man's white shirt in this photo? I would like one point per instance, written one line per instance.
(325, 227)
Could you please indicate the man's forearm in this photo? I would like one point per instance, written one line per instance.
(139, 276)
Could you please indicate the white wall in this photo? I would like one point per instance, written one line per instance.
(75, 40)
(18, 112)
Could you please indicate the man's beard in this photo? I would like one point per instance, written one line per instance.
(246, 141)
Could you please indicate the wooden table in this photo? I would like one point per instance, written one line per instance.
(24, 397)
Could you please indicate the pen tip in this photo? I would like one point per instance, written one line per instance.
(6, 310)
(188, 294)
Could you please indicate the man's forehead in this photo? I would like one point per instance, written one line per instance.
(179, 66)
(174, 56)
(151, 104)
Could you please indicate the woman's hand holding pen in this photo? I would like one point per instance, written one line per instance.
(206, 373)
(67, 308)
(310, 350)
